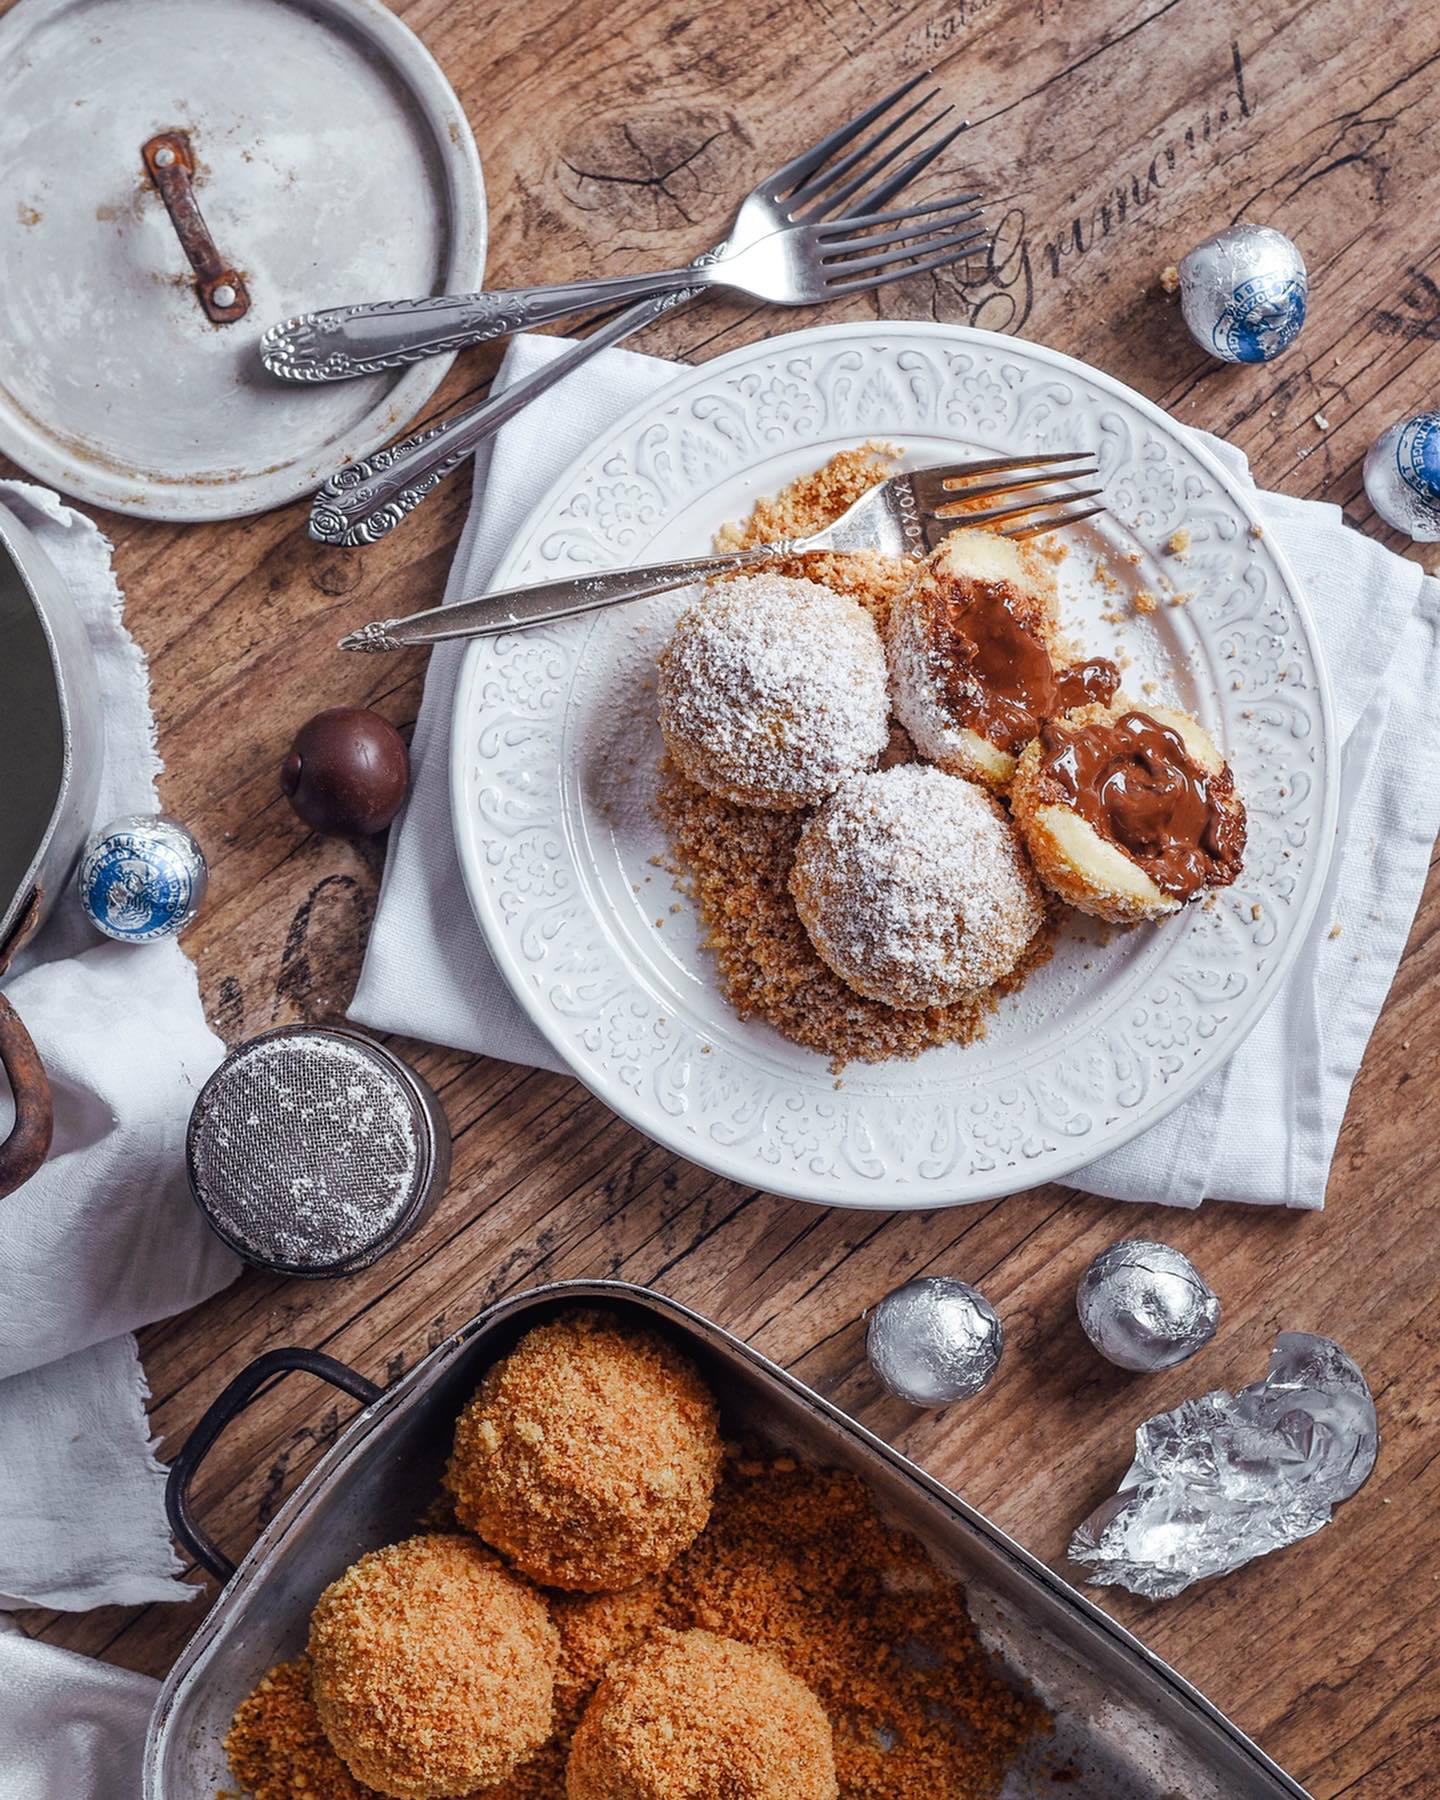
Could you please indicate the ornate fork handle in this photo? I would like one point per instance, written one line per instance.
(362, 502)
(389, 334)
(514, 608)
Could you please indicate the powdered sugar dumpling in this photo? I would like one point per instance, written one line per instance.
(773, 691)
(914, 887)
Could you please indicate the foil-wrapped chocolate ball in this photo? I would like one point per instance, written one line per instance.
(1243, 293)
(1402, 477)
(934, 1340)
(1145, 1306)
(347, 772)
(142, 878)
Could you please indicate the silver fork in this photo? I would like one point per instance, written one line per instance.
(905, 515)
(361, 503)
(795, 265)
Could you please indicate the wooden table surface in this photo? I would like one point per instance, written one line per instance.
(1110, 136)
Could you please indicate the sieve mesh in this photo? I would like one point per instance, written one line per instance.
(304, 1149)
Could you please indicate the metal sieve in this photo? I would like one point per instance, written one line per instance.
(312, 1150)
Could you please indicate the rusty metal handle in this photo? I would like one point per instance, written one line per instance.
(170, 164)
(227, 1405)
(28, 1144)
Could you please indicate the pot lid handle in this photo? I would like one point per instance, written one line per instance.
(170, 163)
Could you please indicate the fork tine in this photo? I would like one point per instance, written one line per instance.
(993, 489)
(901, 271)
(829, 200)
(1037, 526)
(1020, 507)
(826, 177)
(806, 163)
(901, 179)
(838, 275)
(903, 234)
(832, 241)
(932, 486)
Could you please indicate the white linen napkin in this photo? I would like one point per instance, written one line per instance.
(104, 1238)
(74, 1728)
(1263, 1128)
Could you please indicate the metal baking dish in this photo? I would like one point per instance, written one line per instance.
(1127, 1727)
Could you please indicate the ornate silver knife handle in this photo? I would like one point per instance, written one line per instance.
(512, 609)
(390, 334)
(359, 504)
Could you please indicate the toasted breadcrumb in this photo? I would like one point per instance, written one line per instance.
(734, 862)
(1170, 279)
(1178, 541)
(795, 1560)
(278, 1748)
(798, 1560)
(433, 1668)
(690, 1713)
(1336, 929)
(594, 1630)
(1145, 601)
(589, 1455)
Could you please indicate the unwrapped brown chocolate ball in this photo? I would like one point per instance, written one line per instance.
(347, 772)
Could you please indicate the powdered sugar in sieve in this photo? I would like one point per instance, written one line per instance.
(310, 1150)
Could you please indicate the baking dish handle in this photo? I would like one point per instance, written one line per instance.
(227, 1405)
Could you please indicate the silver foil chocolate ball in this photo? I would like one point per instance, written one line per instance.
(1145, 1306)
(141, 878)
(934, 1340)
(1243, 293)
(1402, 477)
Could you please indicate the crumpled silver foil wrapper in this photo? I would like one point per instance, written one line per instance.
(1145, 1306)
(1229, 1477)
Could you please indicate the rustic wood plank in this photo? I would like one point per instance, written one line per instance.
(1111, 136)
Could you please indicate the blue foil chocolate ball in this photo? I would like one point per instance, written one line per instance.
(1243, 293)
(142, 878)
(1402, 477)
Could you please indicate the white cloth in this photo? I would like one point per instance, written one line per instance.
(1263, 1128)
(73, 1728)
(104, 1238)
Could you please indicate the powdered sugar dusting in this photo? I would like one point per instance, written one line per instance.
(773, 691)
(914, 888)
(919, 701)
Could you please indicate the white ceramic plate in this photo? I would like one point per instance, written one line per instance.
(335, 164)
(555, 747)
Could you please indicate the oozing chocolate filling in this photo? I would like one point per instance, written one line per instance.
(997, 674)
(1086, 684)
(1137, 784)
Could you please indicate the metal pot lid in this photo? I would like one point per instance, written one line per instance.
(331, 162)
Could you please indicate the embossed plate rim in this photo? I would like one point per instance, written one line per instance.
(1011, 1170)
